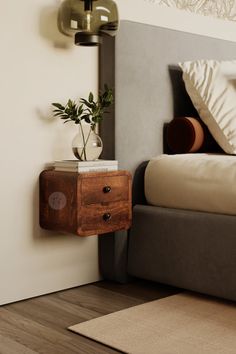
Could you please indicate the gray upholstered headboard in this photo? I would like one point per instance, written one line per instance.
(141, 65)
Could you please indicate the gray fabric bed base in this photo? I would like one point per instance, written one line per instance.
(187, 249)
(196, 251)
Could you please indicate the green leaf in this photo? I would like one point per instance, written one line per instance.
(86, 117)
(58, 105)
(80, 110)
(90, 111)
(97, 119)
(83, 100)
(67, 111)
(86, 103)
(90, 97)
(58, 110)
(70, 103)
(87, 120)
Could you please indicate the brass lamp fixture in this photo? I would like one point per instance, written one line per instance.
(87, 20)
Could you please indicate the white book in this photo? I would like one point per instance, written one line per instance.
(87, 169)
(77, 163)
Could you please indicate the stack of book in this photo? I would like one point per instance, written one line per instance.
(86, 166)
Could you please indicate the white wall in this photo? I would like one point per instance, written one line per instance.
(37, 67)
(148, 11)
(223, 9)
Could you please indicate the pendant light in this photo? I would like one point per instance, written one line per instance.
(87, 20)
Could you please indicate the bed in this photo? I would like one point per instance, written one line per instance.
(191, 249)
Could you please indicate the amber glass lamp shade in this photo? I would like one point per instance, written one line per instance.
(87, 20)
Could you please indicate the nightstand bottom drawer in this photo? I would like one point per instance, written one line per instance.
(104, 218)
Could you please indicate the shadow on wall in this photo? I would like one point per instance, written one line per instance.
(48, 29)
(183, 105)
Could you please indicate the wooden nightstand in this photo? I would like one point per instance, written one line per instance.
(86, 203)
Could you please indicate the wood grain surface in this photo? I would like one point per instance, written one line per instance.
(80, 203)
(39, 325)
(92, 189)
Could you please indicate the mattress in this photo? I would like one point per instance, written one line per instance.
(204, 182)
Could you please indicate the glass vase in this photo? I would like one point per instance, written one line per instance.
(87, 145)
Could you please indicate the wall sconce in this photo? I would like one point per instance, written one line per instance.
(87, 20)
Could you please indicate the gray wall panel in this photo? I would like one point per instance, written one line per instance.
(144, 97)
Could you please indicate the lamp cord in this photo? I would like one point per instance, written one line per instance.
(88, 5)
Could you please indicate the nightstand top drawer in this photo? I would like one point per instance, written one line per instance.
(105, 189)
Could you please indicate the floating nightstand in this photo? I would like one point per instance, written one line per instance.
(85, 203)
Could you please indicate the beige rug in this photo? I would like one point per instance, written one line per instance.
(179, 324)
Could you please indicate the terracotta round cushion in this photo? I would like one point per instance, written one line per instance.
(184, 135)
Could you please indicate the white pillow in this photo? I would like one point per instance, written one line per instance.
(210, 86)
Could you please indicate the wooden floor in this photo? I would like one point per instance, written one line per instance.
(39, 325)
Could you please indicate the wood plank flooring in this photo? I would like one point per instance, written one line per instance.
(39, 325)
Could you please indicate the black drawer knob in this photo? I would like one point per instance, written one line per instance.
(106, 217)
(107, 189)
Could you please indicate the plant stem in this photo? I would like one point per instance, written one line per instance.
(85, 143)
(88, 136)
(83, 151)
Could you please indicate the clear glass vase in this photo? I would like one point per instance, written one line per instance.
(87, 145)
